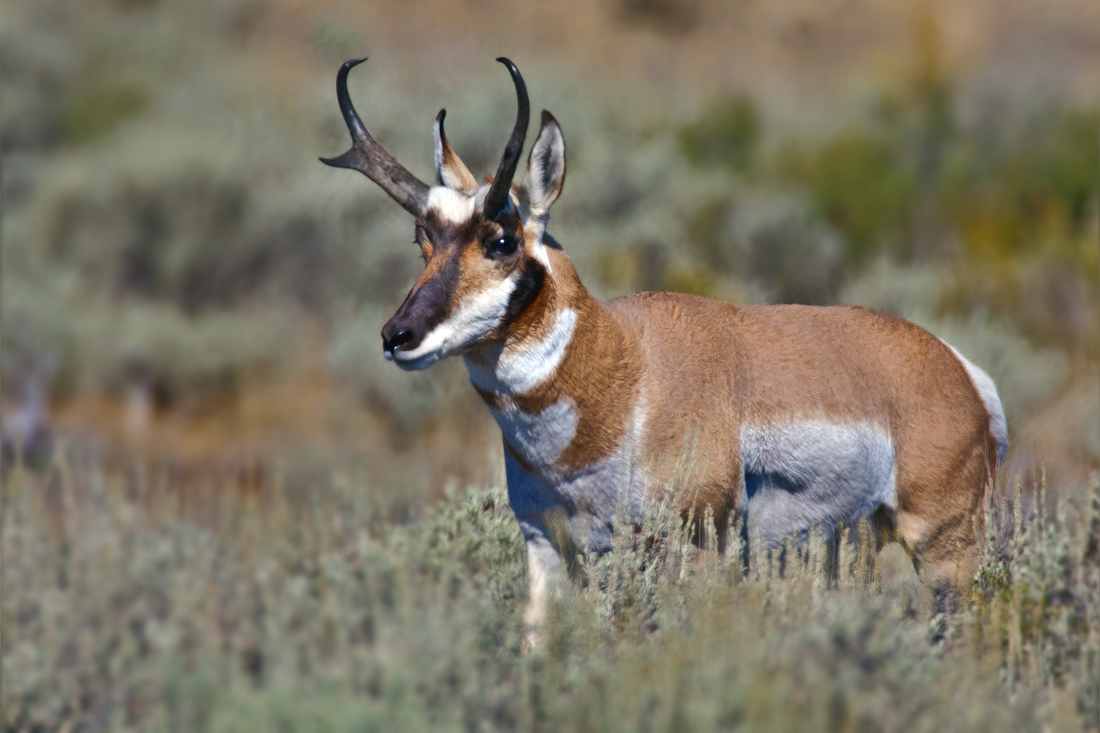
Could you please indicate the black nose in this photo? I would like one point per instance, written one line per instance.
(391, 343)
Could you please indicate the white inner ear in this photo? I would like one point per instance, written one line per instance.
(545, 170)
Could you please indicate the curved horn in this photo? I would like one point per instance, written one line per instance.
(498, 192)
(370, 159)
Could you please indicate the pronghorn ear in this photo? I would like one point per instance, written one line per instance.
(450, 171)
(545, 168)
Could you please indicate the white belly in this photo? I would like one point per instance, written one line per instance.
(801, 473)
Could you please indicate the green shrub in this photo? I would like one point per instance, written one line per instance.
(859, 184)
(727, 134)
(130, 604)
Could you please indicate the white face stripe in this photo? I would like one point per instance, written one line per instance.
(477, 315)
(474, 317)
(522, 367)
(451, 205)
(811, 471)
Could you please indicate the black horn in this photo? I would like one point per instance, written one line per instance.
(498, 192)
(370, 159)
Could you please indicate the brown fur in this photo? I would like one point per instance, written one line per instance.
(705, 368)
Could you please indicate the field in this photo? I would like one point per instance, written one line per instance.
(128, 606)
(222, 510)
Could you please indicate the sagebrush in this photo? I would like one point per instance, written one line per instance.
(130, 605)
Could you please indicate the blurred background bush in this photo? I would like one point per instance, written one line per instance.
(184, 282)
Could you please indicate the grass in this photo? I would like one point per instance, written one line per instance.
(131, 604)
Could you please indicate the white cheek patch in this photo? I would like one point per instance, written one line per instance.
(523, 367)
(474, 317)
(451, 205)
(797, 474)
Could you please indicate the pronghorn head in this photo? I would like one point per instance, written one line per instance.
(485, 257)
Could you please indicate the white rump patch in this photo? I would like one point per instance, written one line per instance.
(801, 473)
(474, 317)
(987, 390)
(451, 205)
(528, 364)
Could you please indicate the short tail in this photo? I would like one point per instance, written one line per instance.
(998, 426)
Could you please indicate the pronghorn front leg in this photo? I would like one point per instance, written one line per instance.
(545, 572)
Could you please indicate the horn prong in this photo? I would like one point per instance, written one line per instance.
(370, 158)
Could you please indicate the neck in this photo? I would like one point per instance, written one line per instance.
(541, 341)
(565, 351)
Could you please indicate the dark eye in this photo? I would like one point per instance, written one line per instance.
(506, 245)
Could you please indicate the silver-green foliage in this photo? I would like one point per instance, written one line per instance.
(129, 604)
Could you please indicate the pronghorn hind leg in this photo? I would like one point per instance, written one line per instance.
(937, 510)
(944, 555)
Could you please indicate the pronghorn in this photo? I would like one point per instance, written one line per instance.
(797, 415)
